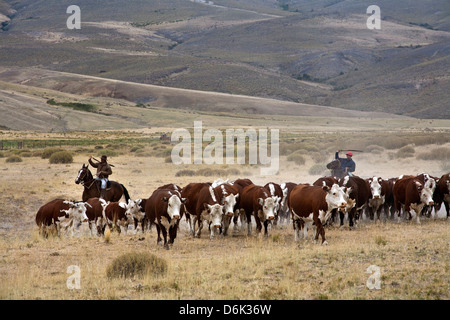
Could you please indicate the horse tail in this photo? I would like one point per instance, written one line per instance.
(125, 192)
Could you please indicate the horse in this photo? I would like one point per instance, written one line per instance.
(114, 190)
(336, 170)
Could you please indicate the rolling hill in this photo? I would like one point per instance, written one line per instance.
(307, 52)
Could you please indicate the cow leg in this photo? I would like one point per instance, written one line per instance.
(296, 226)
(158, 230)
(320, 230)
(164, 233)
(341, 217)
(200, 227)
(249, 223)
(226, 224)
(447, 208)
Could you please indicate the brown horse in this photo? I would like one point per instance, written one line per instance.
(114, 190)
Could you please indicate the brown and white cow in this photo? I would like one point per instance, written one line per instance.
(358, 193)
(96, 214)
(328, 181)
(240, 184)
(379, 192)
(163, 208)
(206, 204)
(285, 213)
(229, 195)
(442, 194)
(277, 194)
(119, 215)
(413, 194)
(60, 214)
(257, 201)
(313, 205)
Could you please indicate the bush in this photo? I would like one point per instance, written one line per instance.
(134, 264)
(13, 159)
(442, 154)
(405, 152)
(318, 169)
(297, 158)
(47, 153)
(61, 157)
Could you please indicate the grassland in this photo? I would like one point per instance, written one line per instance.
(413, 259)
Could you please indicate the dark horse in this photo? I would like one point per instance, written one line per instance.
(114, 190)
(336, 170)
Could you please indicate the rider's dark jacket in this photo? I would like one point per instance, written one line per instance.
(345, 163)
(103, 169)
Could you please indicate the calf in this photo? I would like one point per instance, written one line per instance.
(210, 208)
(256, 200)
(358, 193)
(163, 208)
(119, 214)
(59, 214)
(313, 205)
(379, 191)
(413, 194)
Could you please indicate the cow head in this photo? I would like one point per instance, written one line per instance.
(215, 213)
(133, 209)
(268, 206)
(336, 197)
(76, 211)
(229, 203)
(375, 187)
(174, 203)
(426, 191)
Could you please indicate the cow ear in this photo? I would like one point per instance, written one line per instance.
(123, 205)
(260, 201)
(326, 188)
(207, 207)
(183, 200)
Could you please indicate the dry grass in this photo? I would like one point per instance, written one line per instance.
(413, 259)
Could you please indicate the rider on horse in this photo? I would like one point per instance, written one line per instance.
(347, 164)
(103, 171)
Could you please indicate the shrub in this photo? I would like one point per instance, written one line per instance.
(317, 169)
(47, 153)
(297, 158)
(13, 159)
(442, 154)
(135, 264)
(185, 172)
(61, 157)
(405, 152)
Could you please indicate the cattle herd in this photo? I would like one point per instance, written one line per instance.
(222, 203)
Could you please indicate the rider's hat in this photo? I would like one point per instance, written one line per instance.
(349, 154)
(103, 157)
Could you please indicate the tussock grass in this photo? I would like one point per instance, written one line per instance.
(136, 264)
(61, 157)
(12, 159)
